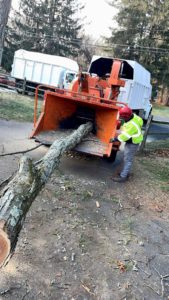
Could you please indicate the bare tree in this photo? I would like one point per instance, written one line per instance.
(5, 6)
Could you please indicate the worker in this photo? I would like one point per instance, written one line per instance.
(130, 133)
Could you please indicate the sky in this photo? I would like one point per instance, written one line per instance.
(99, 17)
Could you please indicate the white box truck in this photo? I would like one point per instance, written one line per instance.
(38, 68)
(137, 90)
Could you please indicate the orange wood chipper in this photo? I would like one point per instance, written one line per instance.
(92, 97)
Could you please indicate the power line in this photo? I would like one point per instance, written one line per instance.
(31, 34)
(129, 47)
(143, 31)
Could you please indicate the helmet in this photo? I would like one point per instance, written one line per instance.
(125, 112)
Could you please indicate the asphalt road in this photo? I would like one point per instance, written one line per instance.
(159, 132)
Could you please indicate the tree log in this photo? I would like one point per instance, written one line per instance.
(18, 195)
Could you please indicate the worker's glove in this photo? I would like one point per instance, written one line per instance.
(112, 140)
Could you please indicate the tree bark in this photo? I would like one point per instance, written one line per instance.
(5, 6)
(164, 96)
(18, 195)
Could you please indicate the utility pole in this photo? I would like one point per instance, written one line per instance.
(5, 6)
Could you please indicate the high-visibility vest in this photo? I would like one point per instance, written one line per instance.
(132, 129)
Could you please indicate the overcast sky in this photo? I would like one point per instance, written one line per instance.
(99, 17)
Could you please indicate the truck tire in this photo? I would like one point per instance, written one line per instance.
(18, 85)
(112, 156)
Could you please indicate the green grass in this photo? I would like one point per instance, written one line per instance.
(160, 110)
(156, 145)
(86, 195)
(165, 188)
(159, 169)
(17, 107)
(159, 172)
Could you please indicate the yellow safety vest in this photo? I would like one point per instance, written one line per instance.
(132, 129)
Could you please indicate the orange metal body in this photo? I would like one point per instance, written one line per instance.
(87, 93)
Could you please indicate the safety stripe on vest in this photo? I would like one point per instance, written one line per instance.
(138, 129)
(120, 140)
(125, 134)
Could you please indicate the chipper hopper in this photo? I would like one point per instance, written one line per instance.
(92, 97)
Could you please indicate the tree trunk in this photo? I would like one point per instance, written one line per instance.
(5, 6)
(18, 195)
(164, 96)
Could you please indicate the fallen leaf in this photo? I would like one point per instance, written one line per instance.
(158, 209)
(121, 266)
(59, 274)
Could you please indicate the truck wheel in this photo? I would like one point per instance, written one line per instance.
(19, 91)
(112, 157)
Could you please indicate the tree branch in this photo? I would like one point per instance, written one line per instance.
(21, 191)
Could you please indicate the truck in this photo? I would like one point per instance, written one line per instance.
(95, 96)
(35, 68)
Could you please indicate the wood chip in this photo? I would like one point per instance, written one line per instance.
(86, 288)
(97, 204)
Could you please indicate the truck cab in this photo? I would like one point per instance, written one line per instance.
(68, 79)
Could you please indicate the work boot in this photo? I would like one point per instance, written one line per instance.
(120, 179)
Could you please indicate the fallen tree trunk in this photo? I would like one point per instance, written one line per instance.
(19, 193)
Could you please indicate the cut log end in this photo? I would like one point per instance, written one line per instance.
(5, 247)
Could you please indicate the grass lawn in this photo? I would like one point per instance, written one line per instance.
(160, 110)
(17, 107)
(161, 144)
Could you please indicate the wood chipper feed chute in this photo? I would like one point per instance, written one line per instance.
(64, 111)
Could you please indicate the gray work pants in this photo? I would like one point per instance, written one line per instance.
(129, 153)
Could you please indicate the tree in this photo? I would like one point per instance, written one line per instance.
(142, 34)
(48, 26)
(87, 50)
(5, 6)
